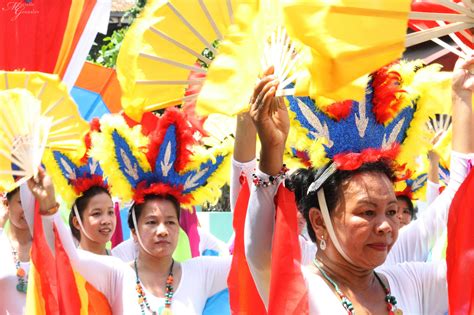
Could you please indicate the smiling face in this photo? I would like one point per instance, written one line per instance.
(98, 219)
(365, 220)
(158, 225)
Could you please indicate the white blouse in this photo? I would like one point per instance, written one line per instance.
(420, 288)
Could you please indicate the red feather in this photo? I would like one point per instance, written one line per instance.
(387, 95)
(184, 139)
(159, 189)
(352, 161)
(407, 192)
(94, 126)
(83, 184)
(339, 110)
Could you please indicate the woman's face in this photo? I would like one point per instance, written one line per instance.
(365, 220)
(404, 214)
(99, 219)
(158, 226)
(15, 212)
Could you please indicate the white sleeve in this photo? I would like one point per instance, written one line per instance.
(416, 239)
(432, 192)
(247, 168)
(420, 288)
(215, 271)
(258, 235)
(126, 251)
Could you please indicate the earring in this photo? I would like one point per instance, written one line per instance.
(322, 244)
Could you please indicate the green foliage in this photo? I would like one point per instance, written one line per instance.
(107, 53)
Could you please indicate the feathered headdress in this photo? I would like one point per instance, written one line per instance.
(388, 123)
(166, 161)
(73, 176)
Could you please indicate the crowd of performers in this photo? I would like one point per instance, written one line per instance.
(365, 251)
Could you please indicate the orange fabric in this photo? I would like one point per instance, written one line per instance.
(43, 261)
(243, 294)
(104, 81)
(68, 297)
(98, 304)
(84, 18)
(288, 292)
(459, 257)
(73, 19)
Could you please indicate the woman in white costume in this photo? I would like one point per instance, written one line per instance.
(352, 215)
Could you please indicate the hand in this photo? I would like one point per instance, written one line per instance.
(463, 75)
(268, 113)
(43, 189)
(272, 122)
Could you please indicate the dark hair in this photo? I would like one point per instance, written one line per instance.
(411, 207)
(10, 194)
(139, 207)
(300, 182)
(81, 203)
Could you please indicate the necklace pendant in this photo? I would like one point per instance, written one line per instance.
(398, 312)
(21, 287)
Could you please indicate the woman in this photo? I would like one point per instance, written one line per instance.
(154, 281)
(15, 245)
(363, 223)
(92, 220)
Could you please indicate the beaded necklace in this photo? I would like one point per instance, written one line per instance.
(22, 284)
(347, 304)
(142, 300)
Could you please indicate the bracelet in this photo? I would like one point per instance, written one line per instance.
(272, 180)
(51, 210)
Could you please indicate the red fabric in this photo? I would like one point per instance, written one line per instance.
(429, 6)
(117, 237)
(32, 33)
(288, 292)
(459, 254)
(68, 296)
(98, 304)
(243, 294)
(43, 260)
(94, 126)
(352, 161)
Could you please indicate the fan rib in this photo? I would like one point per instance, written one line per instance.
(447, 46)
(41, 91)
(11, 158)
(191, 28)
(230, 11)
(173, 63)
(60, 121)
(424, 35)
(211, 20)
(53, 106)
(179, 45)
(448, 17)
(458, 41)
(454, 6)
(63, 136)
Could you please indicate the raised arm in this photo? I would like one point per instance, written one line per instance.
(416, 239)
(272, 123)
(107, 274)
(243, 160)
